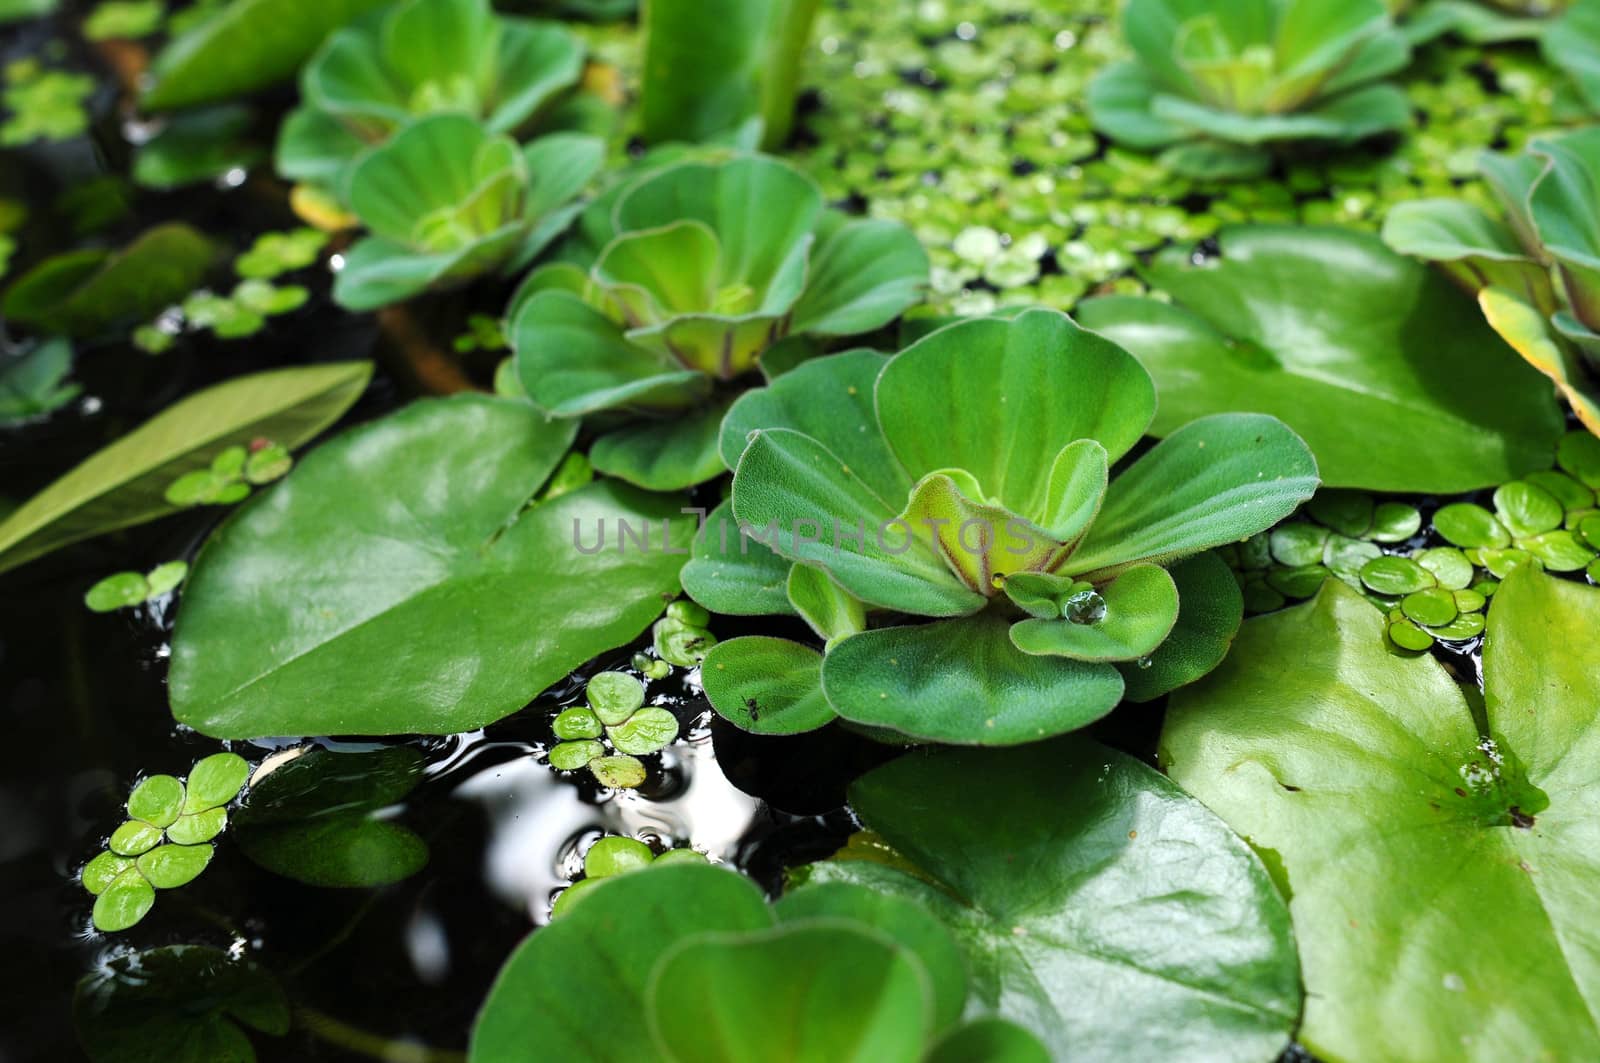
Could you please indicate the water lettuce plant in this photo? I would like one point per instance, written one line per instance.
(445, 200)
(1535, 270)
(421, 57)
(963, 487)
(1216, 86)
(683, 279)
(1375, 779)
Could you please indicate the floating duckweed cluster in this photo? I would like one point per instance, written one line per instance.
(122, 589)
(611, 732)
(42, 104)
(1436, 583)
(967, 123)
(166, 841)
(231, 474)
(683, 637)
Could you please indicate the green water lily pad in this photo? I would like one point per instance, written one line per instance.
(1373, 782)
(250, 660)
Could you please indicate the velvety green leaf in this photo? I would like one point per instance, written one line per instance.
(242, 47)
(1573, 45)
(831, 400)
(664, 455)
(439, 595)
(1210, 607)
(1214, 481)
(82, 293)
(1099, 906)
(830, 993)
(180, 1004)
(1001, 398)
(1136, 613)
(832, 611)
(863, 275)
(1472, 246)
(1374, 783)
(766, 685)
(711, 67)
(1381, 365)
(823, 514)
(730, 573)
(963, 682)
(124, 483)
(906, 924)
(578, 987)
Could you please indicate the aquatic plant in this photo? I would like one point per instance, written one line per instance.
(1216, 86)
(1535, 270)
(683, 279)
(166, 841)
(445, 201)
(122, 589)
(1375, 779)
(615, 855)
(611, 732)
(422, 57)
(964, 486)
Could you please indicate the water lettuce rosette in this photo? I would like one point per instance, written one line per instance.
(679, 281)
(445, 201)
(946, 520)
(1535, 270)
(1216, 85)
(421, 57)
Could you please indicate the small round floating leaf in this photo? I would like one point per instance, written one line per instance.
(1566, 490)
(98, 874)
(1409, 636)
(1559, 551)
(215, 781)
(1345, 556)
(1260, 596)
(1394, 522)
(614, 855)
(622, 773)
(117, 591)
(1579, 454)
(570, 896)
(570, 756)
(683, 856)
(1449, 566)
(1469, 601)
(1298, 543)
(1396, 576)
(1589, 530)
(1593, 572)
(1468, 525)
(1500, 563)
(135, 837)
(647, 731)
(192, 488)
(1434, 607)
(614, 696)
(766, 685)
(1466, 626)
(170, 866)
(165, 578)
(1526, 510)
(271, 462)
(1346, 512)
(197, 827)
(124, 902)
(681, 644)
(576, 723)
(1300, 582)
(157, 800)
(686, 612)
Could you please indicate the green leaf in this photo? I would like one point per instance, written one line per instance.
(512, 599)
(195, 828)
(571, 756)
(832, 612)
(664, 455)
(863, 275)
(712, 67)
(618, 772)
(1000, 399)
(134, 838)
(1214, 481)
(829, 992)
(614, 696)
(1083, 868)
(123, 484)
(647, 731)
(1137, 611)
(730, 573)
(196, 146)
(615, 855)
(170, 866)
(1375, 782)
(117, 591)
(577, 723)
(34, 383)
(242, 47)
(83, 293)
(124, 902)
(1572, 44)
(578, 987)
(215, 781)
(1210, 607)
(963, 682)
(98, 874)
(157, 800)
(908, 925)
(1378, 363)
(766, 685)
(312, 819)
(989, 1041)
(180, 1004)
